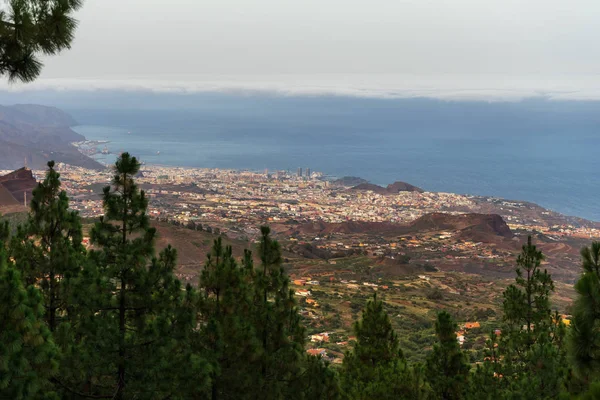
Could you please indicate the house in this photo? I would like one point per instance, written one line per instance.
(317, 352)
(460, 339)
(313, 302)
(472, 325)
(320, 337)
(302, 293)
(299, 282)
(564, 319)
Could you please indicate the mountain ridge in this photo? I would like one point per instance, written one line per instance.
(34, 134)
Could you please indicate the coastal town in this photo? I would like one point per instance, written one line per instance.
(344, 242)
(239, 201)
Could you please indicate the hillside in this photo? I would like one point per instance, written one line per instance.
(36, 134)
(349, 181)
(392, 188)
(476, 225)
(465, 223)
(16, 190)
(402, 187)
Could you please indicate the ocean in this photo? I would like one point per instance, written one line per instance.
(537, 150)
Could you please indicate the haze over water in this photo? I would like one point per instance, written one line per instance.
(535, 150)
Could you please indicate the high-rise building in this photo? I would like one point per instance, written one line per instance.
(299, 173)
(308, 173)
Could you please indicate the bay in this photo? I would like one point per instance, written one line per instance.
(540, 151)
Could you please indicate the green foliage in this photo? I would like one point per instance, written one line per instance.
(527, 302)
(376, 367)
(534, 358)
(32, 27)
(28, 356)
(229, 339)
(318, 381)
(447, 367)
(141, 313)
(4, 231)
(592, 393)
(48, 247)
(277, 321)
(584, 339)
(486, 381)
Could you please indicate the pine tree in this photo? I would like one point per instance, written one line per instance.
(32, 27)
(141, 313)
(229, 339)
(527, 302)
(28, 356)
(4, 231)
(447, 368)
(487, 382)
(251, 330)
(318, 381)
(281, 333)
(584, 339)
(376, 368)
(48, 249)
(531, 343)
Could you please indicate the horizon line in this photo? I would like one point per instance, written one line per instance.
(448, 87)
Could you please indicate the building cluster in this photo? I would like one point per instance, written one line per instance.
(242, 200)
(241, 197)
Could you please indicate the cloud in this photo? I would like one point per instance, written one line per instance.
(385, 86)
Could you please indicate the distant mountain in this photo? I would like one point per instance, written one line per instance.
(36, 114)
(37, 134)
(392, 188)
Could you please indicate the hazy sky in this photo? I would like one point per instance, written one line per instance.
(476, 45)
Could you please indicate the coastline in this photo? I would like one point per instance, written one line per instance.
(325, 177)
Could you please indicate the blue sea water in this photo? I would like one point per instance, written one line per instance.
(537, 150)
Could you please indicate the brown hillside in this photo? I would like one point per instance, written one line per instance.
(192, 247)
(6, 198)
(479, 227)
(392, 188)
(19, 183)
(370, 186)
(474, 223)
(397, 187)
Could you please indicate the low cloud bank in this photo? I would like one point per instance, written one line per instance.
(446, 87)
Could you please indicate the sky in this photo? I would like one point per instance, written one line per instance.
(494, 49)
